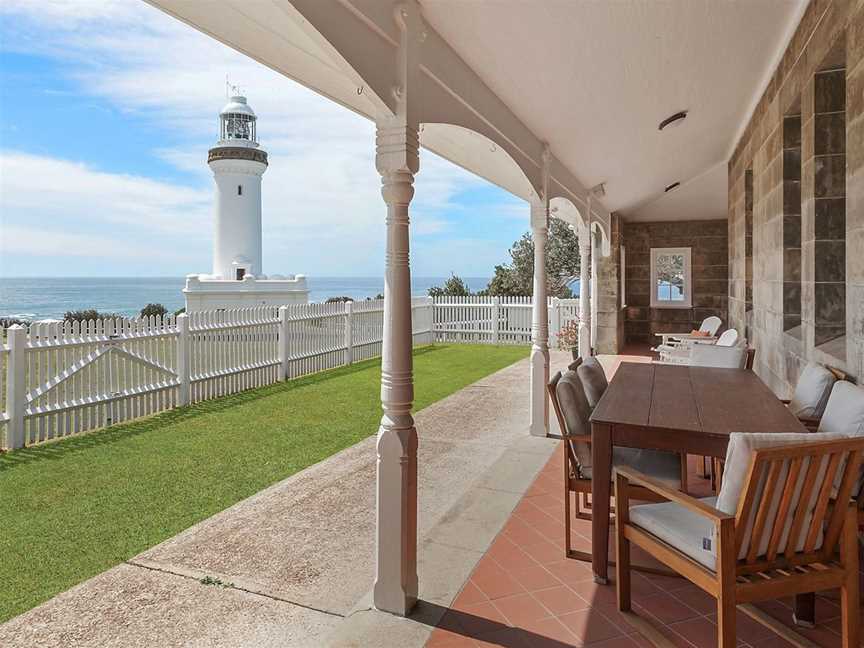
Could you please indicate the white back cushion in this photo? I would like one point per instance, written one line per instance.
(710, 325)
(728, 338)
(713, 355)
(812, 391)
(738, 458)
(844, 413)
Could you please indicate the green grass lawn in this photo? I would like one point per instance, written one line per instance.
(72, 509)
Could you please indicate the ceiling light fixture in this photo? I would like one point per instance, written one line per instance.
(673, 120)
(672, 186)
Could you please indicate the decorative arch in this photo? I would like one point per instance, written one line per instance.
(601, 229)
(478, 153)
(564, 209)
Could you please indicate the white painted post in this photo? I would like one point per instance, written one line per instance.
(183, 352)
(555, 321)
(496, 319)
(16, 395)
(584, 292)
(430, 314)
(539, 359)
(349, 332)
(283, 343)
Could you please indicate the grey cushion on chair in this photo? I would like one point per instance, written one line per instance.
(690, 533)
(593, 380)
(812, 391)
(576, 412)
(570, 391)
(844, 413)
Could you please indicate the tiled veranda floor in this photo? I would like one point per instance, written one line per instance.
(524, 594)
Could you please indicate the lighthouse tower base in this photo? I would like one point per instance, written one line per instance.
(203, 293)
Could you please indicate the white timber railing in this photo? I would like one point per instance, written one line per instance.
(59, 379)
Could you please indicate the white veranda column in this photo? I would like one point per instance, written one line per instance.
(539, 406)
(584, 292)
(396, 541)
(397, 160)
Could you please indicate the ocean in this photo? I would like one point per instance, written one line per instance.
(50, 297)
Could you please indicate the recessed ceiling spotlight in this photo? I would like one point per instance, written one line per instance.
(672, 186)
(673, 120)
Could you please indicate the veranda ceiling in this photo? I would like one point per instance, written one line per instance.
(591, 78)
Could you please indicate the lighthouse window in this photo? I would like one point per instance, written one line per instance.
(239, 190)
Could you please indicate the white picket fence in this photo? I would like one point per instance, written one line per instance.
(61, 378)
(496, 320)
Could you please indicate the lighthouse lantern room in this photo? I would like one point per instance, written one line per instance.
(237, 279)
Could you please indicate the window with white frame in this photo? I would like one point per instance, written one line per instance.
(671, 281)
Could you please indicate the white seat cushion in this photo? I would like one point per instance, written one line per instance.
(690, 533)
(844, 413)
(705, 355)
(812, 391)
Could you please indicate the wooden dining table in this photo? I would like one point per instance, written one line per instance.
(678, 408)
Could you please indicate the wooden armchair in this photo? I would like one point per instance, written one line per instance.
(781, 539)
(576, 433)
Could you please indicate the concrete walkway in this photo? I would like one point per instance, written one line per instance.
(293, 565)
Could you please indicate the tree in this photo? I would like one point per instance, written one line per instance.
(454, 287)
(154, 310)
(89, 314)
(338, 300)
(562, 263)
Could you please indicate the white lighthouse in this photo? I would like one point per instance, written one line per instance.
(238, 278)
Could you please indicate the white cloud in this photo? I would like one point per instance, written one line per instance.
(34, 241)
(62, 193)
(323, 212)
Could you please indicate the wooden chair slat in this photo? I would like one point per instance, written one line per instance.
(762, 512)
(822, 502)
(835, 525)
(785, 505)
(745, 504)
(803, 504)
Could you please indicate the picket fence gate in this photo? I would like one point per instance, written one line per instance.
(58, 378)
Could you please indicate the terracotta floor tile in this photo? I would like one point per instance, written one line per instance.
(590, 626)
(593, 593)
(545, 551)
(534, 577)
(480, 619)
(569, 571)
(549, 632)
(493, 581)
(748, 629)
(560, 600)
(551, 529)
(520, 532)
(512, 557)
(618, 642)
(666, 609)
(441, 638)
(470, 594)
(505, 638)
(520, 609)
(698, 632)
(697, 599)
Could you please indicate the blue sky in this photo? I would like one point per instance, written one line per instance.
(106, 114)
